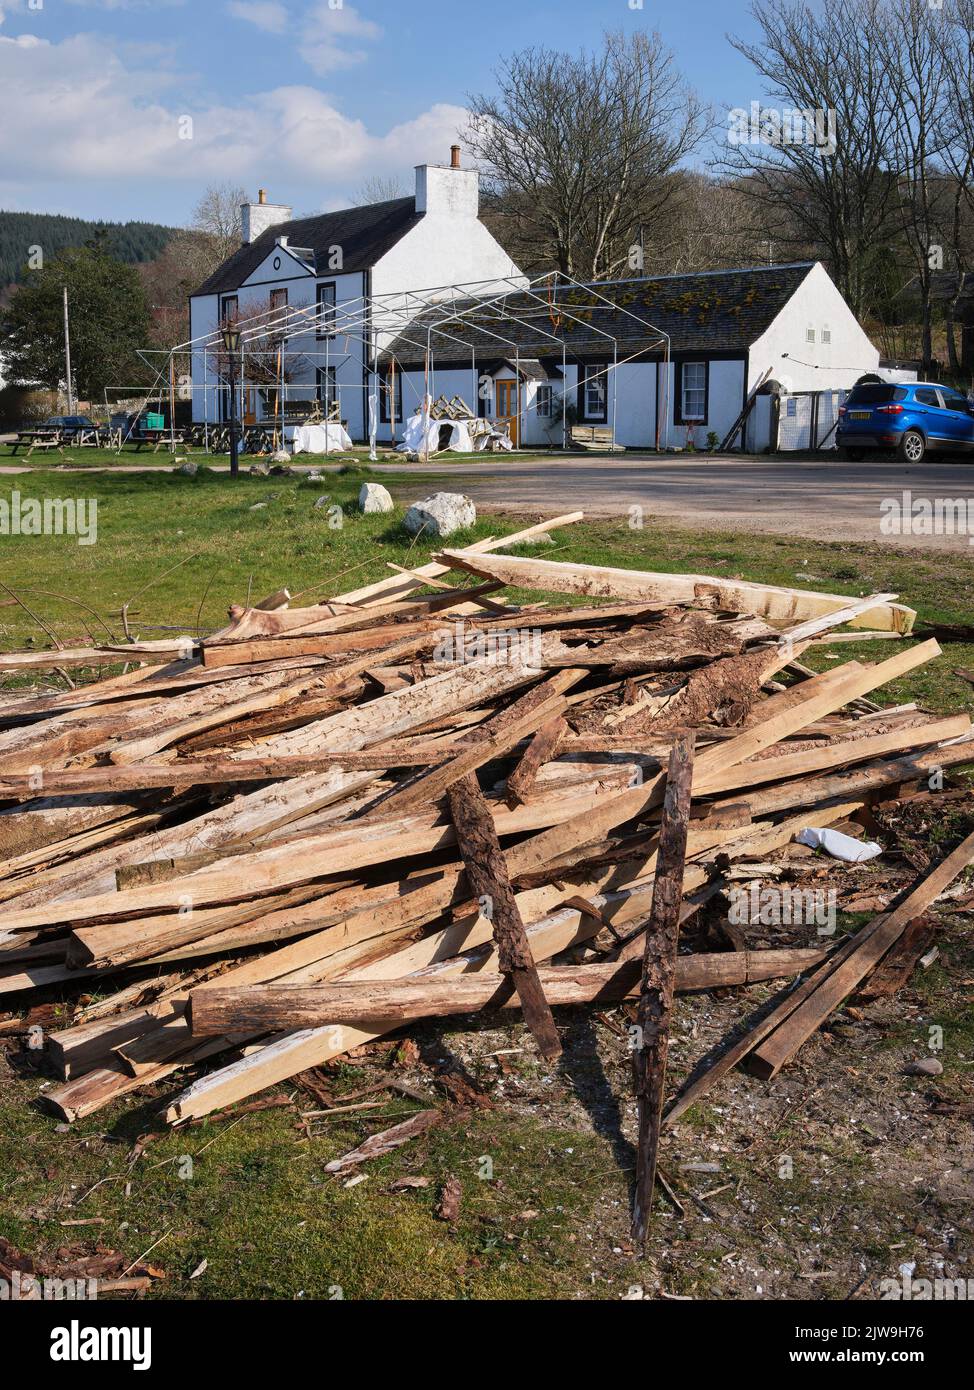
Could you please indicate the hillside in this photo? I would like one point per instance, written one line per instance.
(132, 242)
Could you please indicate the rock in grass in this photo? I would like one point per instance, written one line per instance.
(927, 1066)
(189, 470)
(440, 515)
(373, 497)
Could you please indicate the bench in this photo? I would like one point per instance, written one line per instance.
(596, 438)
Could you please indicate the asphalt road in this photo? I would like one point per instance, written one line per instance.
(833, 500)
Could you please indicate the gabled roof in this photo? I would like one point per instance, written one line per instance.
(364, 234)
(709, 311)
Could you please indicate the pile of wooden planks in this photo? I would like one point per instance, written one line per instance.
(258, 851)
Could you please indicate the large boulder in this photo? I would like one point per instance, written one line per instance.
(373, 497)
(440, 515)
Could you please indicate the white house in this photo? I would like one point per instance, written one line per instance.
(332, 268)
(415, 295)
(666, 361)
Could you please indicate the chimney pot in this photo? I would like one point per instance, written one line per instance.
(262, 196)
(454, 156)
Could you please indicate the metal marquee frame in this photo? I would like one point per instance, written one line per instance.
(487, 306)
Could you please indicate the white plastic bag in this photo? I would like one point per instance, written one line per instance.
(838, 845)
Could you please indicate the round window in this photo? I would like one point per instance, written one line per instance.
(277, 262)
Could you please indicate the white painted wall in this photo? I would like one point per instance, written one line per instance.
(449, 247)
(818, 366)
(635, 390)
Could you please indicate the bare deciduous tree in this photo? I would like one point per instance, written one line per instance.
(826, 59)
(217, 217)
(577, 150)
(378, 189)
(910, 43)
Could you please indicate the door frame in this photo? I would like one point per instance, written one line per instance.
(512, 398)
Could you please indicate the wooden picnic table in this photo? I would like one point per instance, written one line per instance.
(38, 437)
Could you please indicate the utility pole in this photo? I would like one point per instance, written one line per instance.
(67, 353)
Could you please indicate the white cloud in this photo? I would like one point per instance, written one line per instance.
(268, 15)
(327, 36)
(326, 32)
(77, 110)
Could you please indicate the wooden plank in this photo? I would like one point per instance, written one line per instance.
(844, 751)
(337, 850)
(658, 976)
(111, 655)
(488, 877)
(543, 747)
(219, 1008)
(854, 609)
(873, 941)
(295, 1051)
(765, 600)
(497, 737)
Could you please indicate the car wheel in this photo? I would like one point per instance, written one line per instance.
(913, 446)
(855, 455)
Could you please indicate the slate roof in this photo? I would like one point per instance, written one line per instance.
(711, 311)
(365, 234)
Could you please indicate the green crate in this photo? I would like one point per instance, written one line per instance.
(155, 422)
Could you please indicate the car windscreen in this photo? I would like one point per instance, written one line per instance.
(878, 393)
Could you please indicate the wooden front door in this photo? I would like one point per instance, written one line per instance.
(250, 406)
(507, 407)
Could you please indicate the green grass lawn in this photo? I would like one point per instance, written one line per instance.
(259, 1206)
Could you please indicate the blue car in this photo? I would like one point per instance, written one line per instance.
(910, 417)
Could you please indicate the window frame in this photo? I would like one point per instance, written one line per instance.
(680, 415)
(385, 418)
(331, 285)
(595, 370)
(327, 378)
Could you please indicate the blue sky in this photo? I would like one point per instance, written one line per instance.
(130, 108)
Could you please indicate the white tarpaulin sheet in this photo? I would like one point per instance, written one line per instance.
(459, 440)
(320, 439)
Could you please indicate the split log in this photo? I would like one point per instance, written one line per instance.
(767, 600)
(488, 877)
(263, 1008)
(659, 971)
(872, 943)
(543, 747)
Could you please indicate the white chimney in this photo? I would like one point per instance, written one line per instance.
(447, 192)
(255, 218)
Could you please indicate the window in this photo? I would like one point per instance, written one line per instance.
(385, 397)
(326, 310)
(928, 396)
(230, 308)
(278, 300)
(693, 392)
(875, 393)
(327, 387)
(954, 401)
(593, 395)
(809, 334)
(826, 333)
(791, 406)
(544, 402)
